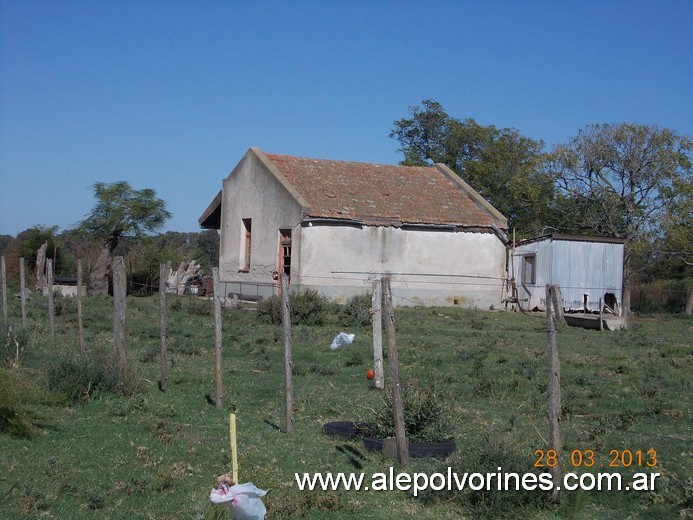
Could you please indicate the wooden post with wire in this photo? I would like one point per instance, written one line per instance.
(163, 380)
(553, 312)
(234, 448)
(217, 337)
(400, 431)
(377, 316)
(288, 384)
(120, 334)
(80, 325)
(3, 275)
(51, 305)
(22, 290)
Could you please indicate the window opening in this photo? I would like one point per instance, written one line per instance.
(529, 269)
(247, 235)
(285, 251)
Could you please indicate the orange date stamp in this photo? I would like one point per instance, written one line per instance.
(588, 458)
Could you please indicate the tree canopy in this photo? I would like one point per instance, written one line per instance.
(619, 179)
(500, 163)
(626, 180)
(122, 211)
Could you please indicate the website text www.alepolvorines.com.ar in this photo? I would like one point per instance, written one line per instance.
(453, 481)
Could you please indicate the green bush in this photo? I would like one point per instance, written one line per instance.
(425, 417)
(16, 396)
(307, 307)
(269, 310)
(356, 311)
(79, 379)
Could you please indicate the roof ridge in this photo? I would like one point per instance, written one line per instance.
(271, 155)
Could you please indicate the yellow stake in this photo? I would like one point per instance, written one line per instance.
(234, 448)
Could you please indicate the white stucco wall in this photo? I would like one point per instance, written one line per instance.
(426, 267)
(250, 191)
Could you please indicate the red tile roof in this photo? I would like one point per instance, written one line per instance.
(383, 193)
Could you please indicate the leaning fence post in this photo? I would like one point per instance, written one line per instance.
(554, 390)
(162, 326)
(376, 303)
(288, 385)
(400, 431)
(51, 305)
(119, 311)
(22, 290)
(217, 337)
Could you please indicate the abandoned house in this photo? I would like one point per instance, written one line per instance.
(588, 270)
(335, 226)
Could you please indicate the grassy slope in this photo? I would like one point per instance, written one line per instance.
(156, 455)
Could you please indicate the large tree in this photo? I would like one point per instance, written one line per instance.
(120, 211)
(500, 163)
(621, 180)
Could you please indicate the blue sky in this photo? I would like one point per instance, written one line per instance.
(169, 95)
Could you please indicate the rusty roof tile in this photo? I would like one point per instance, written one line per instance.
(379, 192)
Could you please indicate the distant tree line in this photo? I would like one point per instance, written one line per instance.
(623, 180)
(142, 254)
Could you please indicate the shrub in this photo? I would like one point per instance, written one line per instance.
(80, 379)
(425, 418)
(269, 310)
(356, 311)
(307, 307)
(15, 396)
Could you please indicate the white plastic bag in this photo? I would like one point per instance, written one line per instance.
(243, 500)
(341, 340)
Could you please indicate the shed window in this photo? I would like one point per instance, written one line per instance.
(529, 269)
(245, 244)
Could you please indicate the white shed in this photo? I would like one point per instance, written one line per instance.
(587, 269)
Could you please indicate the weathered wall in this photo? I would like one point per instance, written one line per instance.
(426, 267)
(251, 191)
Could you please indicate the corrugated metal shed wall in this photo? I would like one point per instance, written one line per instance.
(592, 268)
(579, 267)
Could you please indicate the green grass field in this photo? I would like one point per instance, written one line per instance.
(153, 454)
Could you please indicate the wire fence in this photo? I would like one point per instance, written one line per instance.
(670, 296)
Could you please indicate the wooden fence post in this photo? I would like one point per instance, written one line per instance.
(555, 435)
(22, 290)
(3, 275)
(376, 304)
(51, 305)
(120, 311)
(80, 325)
(288, 385)
(162, 326)
(400, 431)
(41, 268)
(217, 336)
